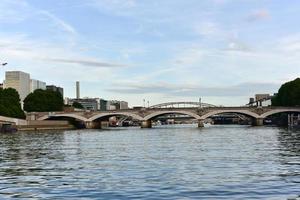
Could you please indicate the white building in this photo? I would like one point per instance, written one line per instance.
(111, 107)
(117, 105)
(267, 102)
(123, 105)
(19, 81)
(261, 100)
(36, 84)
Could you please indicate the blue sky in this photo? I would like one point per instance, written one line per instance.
(223, 51)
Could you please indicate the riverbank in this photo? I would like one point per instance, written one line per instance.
(40, 128)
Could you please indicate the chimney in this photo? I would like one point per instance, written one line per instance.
(77, 90)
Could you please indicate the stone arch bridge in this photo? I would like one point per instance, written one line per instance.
(15, 121)
(145, 115)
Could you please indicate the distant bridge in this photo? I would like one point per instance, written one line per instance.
(145, 115)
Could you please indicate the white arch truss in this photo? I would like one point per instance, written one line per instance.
(183, 112)
(182, 103)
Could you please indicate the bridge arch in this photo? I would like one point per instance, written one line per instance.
(275, 111)
(183, 112)
(216, 112)
(74, 116)
(101, 115)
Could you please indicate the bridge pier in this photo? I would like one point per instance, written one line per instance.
(92, 125)
(259, 122)
(146, 124)
(200, 123)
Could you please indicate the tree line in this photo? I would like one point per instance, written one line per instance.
(288, 94)
(38, 101)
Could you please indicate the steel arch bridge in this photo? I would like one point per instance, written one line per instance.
(182, 104)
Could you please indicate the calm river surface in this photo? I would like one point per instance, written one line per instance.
(174, 162)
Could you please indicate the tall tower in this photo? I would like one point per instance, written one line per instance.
(77, 90)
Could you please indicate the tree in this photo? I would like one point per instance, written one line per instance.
(10, 105)
(77, 105)
(43, 101)
(288, 94)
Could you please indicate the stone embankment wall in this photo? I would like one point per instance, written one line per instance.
(46, 125)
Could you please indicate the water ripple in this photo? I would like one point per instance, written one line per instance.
(177, 162)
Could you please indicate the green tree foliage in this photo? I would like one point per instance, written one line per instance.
(288, 94)
(77, 105)
(10, 105)
(43, 101)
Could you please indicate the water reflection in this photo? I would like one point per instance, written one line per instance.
(220, 162)
(289, 141)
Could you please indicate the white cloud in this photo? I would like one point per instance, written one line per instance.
(192, 46)
(119, 7)
(207, 28)
(52, 60)
(258, 15)
(14, 11)
(182, 90)
(236, 45)
(189, 57)
(290, 43)
(59, 22)
(84, 62)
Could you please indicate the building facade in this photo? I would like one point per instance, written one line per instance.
(103, 105)
(55, 89)
(36, 84)
(117, 105)
(92, 104)
(97, 104)
(261, 100)
(19, 81)
(123, 105)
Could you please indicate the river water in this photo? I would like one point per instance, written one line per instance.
(166, 162)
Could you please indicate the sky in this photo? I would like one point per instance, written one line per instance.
(223, 51)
